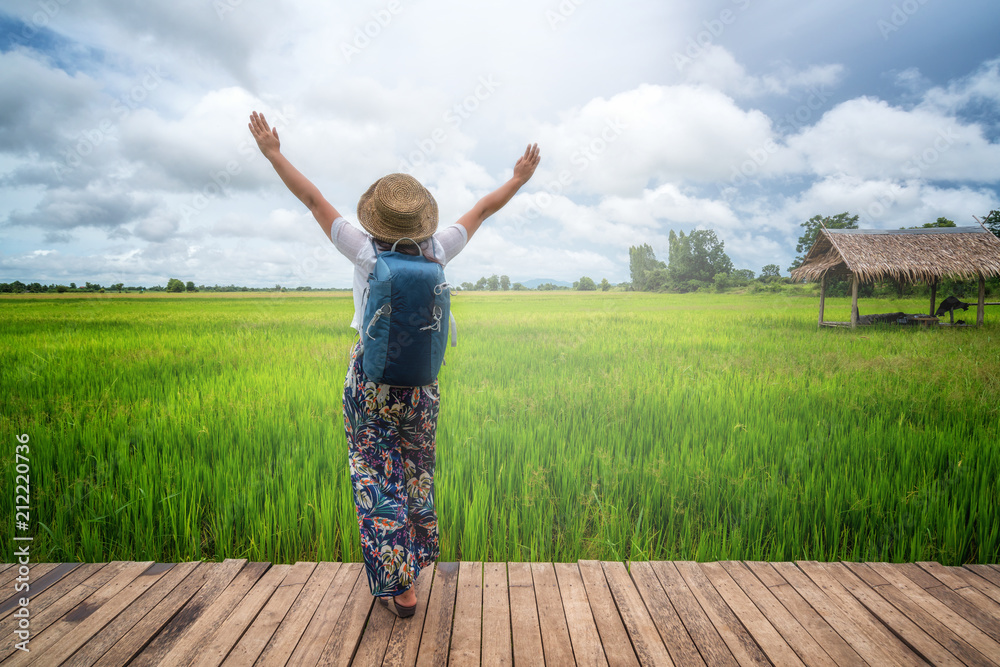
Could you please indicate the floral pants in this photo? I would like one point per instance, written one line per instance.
(391, 433)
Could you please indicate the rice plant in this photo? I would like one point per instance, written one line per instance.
(573, 425)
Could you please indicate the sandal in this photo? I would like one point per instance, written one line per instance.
(397, 609)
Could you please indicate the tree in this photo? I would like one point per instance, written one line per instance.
(190, 286)
(175, 285)
(699, 255)
(992, 222)
(118, 287)
(517, 287)
(72, 285)
(642, 260)
(585, 284)
(493, 282)
(769, 273)
(812, 227)
(468, 286)
(504, 283)
(605, 285)
(940, 222)
(481, 283)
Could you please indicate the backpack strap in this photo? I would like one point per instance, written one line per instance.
(404, 238)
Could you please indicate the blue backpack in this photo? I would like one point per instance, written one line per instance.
(404, 332)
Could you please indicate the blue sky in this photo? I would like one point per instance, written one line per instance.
(124, 153)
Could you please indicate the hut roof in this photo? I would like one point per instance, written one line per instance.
(912, 255)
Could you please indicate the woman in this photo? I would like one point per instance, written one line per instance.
(391, 430)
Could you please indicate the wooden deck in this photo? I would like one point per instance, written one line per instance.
(587, 613)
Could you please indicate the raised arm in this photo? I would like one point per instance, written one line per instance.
(496, 200)
(301, 187)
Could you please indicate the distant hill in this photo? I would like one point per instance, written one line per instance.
(535, 282)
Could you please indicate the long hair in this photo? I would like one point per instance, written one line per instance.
(410, 249)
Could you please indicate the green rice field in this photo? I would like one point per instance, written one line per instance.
(573, 426)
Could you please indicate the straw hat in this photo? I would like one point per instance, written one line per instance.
(397, 206)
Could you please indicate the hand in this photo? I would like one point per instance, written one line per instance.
(266, 137)
(526, 164)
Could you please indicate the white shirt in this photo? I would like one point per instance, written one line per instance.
(356, 245)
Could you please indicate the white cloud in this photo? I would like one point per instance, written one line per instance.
(869, 138)
(718, 69)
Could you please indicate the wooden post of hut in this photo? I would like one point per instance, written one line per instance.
(933, 296)
(822, 297)
(982, 301)
(854, 302)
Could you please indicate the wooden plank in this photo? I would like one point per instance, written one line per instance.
(796, 636)
(826, 580)
(467, 630)
(699, 626)
(158, 618)
(676, 638)
(497, 649)
(437, 624)
(60, 640)
(646, 641)
(985, 586)
(218, 577)
(961, 627)
(524, 616)
(375, 638)
(281, 644)
(808, 618)
(973, 588)
(346, 635)
(187, 647)
(40, 576)
(113, 632)
(915, 637)
(851, 629)
(986, 572)
(41, 602)
(404, 641)
(941, 633)
(768, 639)
(983, 618)
(739, 641)
(256, 638)
(218, 645)
(614, 637)
(320, 627)
(56, 609)
(556, 644)
(587, 649)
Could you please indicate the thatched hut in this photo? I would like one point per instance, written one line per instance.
(906, 255)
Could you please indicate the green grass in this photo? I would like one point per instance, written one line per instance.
(599, 425)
